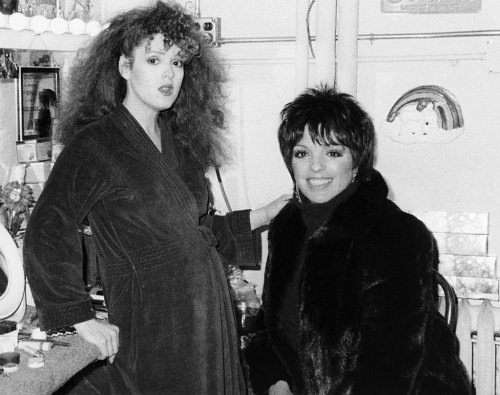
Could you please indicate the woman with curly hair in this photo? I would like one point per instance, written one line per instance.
(143, 123)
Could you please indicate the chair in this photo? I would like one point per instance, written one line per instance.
(451, 301)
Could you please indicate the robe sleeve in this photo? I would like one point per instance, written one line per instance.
(52, 251)
(237, 243)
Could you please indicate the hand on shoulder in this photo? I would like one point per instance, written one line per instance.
(264, 215)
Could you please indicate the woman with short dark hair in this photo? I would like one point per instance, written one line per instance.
(348, 300)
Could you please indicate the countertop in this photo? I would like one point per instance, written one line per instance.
(61, 363)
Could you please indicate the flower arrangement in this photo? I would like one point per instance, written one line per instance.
(15, 201)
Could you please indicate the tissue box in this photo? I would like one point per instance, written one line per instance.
(36, 150)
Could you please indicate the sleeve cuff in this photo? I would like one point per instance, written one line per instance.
(249, 249)
(66, 315)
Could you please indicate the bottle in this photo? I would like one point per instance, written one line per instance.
(241, 312)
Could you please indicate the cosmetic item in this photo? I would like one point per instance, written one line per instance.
(36, 362)
(7, 345)
(10, 367)
(32, 352)
(38, 334)
(36, 345)
(7, 326)
(9, 357)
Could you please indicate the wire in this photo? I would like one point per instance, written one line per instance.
(219, 178)
(308, 30)
(52, 58)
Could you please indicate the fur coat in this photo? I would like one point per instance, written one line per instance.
(367, 319)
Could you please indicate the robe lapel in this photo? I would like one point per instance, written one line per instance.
(154, 159)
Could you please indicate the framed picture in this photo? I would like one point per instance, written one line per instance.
(8, 7)
(31, 8)
(38, 98)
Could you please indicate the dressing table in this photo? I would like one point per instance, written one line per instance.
(61, 363)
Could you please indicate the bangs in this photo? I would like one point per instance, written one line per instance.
(324, 135)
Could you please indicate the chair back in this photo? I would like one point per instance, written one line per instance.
(451, 301)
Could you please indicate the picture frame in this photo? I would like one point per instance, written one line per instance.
(31, 8)
(8, 7)
(38, 95)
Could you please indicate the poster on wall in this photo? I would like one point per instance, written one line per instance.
(46, 8)
(38, 97)
(67, 9)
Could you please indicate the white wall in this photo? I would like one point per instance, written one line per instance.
(458, 176)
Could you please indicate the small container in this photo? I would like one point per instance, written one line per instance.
(36, 362)
(241, 313)
(10, 367)
(36, 345)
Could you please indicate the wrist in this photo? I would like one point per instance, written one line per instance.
(258, 218)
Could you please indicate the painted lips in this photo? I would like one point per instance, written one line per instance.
(166, 90)
(319, 182)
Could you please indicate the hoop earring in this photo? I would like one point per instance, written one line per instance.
(296, 193)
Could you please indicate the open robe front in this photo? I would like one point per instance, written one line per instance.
(163, 277)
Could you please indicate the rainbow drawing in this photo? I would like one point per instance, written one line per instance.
(426, 114)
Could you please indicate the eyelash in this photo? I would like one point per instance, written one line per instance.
(177, 63)
(302, 153)
(336, 153)
(299, 153)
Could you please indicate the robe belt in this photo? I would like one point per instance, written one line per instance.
(207, 236)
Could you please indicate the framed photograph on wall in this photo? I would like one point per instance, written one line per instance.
(8, 7)
(38, 98)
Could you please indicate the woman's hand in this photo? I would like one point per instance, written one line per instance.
(102, 334)
(264, 215)
(280, 388)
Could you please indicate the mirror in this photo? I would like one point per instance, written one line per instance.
(38, 95)
(13, 298)
(3, 274)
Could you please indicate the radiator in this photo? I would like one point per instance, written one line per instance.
(477, 330)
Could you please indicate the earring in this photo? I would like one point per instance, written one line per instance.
(296, 193)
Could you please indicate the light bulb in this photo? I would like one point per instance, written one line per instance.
(93, 28)
(39, 24)
(77, 26)
(17, 21)
(58, 25)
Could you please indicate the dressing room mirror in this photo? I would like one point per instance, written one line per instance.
(12, 279)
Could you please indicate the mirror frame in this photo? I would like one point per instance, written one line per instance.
(32, 81)
(13, 300)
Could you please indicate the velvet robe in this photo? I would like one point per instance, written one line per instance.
(367, 320)
(163, 278)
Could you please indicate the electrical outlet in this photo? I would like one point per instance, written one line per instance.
(210, 27)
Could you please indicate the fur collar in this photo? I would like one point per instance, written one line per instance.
(331, 242)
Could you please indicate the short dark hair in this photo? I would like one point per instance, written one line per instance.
(329, 115)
